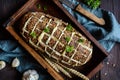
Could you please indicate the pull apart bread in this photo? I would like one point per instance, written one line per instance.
(56, 38)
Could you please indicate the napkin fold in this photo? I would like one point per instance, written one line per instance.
(108, 34)
(10, 49)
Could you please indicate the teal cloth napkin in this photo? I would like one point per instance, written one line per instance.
(108, 34)
(10, 49)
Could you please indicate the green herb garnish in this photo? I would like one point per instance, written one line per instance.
(69, 27)
(47, 30)
(69, 48)
(67, 39)
(45, 8)
(81, 40)
(38, 6)
(93, 3)
(33, 34)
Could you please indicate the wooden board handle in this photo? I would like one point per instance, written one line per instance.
(89, 15)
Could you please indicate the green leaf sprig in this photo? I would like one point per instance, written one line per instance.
(47, 29)
(38, 6)
(45, 8)
(81, 40)
(93, 3)
(69, 27)
(67, 39)
(69, 49)
(33, 34)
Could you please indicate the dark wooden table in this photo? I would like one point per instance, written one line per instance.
(111, 69)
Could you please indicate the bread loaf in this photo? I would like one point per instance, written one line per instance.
(58, 39)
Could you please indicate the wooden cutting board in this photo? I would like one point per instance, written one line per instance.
(54, 8)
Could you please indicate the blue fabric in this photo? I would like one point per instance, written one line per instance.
(9, 49)
(106, 35)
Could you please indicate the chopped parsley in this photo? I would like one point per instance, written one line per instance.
(47, 30)
(33, 34)
(38, 6)
(93, 3)
(69, 27)
(69, 48)
(67, 39)
(44, 8)
(81, 40)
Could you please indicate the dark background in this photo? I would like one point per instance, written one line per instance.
(111, 69)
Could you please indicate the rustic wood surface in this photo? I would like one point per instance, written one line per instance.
(111, 69)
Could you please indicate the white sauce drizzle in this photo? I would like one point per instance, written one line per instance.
(51, 36)
(25, 25)
(39, 20)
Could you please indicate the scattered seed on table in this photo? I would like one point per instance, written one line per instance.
(105, 74)
(113, 65)
(108, 63)
(96, 76)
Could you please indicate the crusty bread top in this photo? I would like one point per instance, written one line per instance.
(56, 38)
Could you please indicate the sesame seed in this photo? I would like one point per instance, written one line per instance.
(108, 63)
(105, 74)
(113, 65)
(96, 76)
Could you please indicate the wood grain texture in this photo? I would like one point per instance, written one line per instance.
(89, 69)
(10, 73)
(34, 54)
(89, 15)
(111, 69)
(7, 8)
